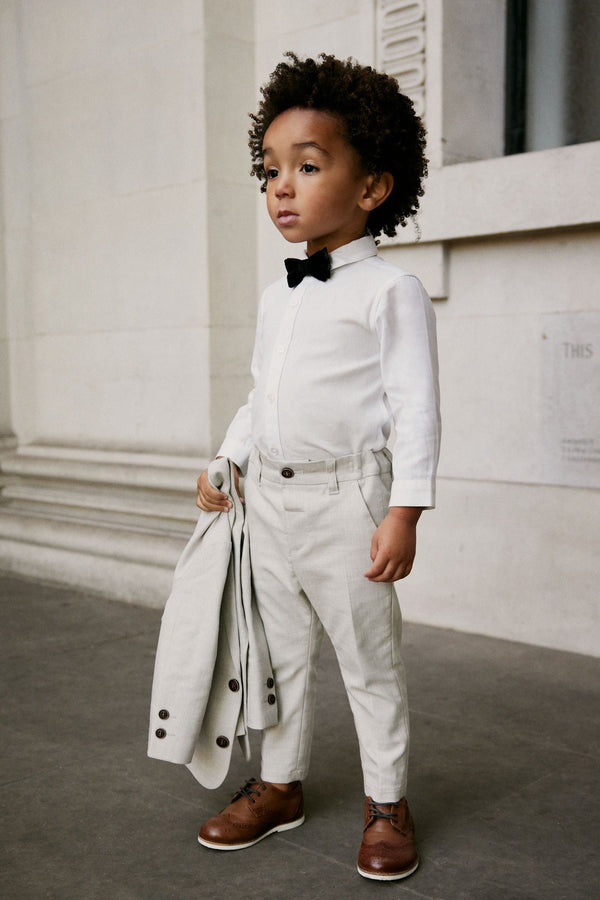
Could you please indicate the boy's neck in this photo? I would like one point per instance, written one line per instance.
(315, 246)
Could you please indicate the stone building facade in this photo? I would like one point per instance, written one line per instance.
(135, 246)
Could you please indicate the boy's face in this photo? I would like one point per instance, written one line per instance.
(315, 183)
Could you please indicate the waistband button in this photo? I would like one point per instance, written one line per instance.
(287, 473)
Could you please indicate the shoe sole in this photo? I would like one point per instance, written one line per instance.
(375, 877)
(286, 827)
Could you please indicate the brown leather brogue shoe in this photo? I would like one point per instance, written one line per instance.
(257, 810)
(388, 850)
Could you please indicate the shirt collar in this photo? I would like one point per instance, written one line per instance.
(353, 252)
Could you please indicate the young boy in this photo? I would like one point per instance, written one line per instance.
(345, 348)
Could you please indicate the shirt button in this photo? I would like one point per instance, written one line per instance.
(270, 682)
(160, 733)
(287, 473)
(271, 699)
(163, 714)
(234, 685)
(274, 451)
(222, 742)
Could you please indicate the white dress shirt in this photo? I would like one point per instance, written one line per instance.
(336, 363)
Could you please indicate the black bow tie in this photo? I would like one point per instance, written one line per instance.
(318, 265)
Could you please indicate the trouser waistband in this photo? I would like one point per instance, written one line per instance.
(325, 471)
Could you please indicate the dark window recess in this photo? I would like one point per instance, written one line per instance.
(552, 89)
(516, 76)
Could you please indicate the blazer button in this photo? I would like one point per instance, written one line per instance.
(160, 733)
(271, 699)
(270, 682)
(222, 742)
(163, 714)
(287, 473)
(234, 685)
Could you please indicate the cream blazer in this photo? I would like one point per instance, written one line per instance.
(212, 675)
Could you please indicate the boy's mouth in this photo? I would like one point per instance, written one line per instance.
(285, 217)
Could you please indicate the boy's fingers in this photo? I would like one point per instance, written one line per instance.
(217, 498)
(209, 498)
(214, 494)
(385, 569)
(374, 547)
(394, 573)
(379, 566)
(217, 504)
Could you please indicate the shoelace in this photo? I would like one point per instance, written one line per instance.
(251, 787)
(375, 812)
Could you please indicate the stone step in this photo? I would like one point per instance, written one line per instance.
(113, 521)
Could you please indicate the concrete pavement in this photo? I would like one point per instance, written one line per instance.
(504, 788)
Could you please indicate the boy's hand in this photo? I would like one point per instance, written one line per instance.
(394, 544)
(210, 499)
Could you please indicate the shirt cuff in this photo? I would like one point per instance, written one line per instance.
(417, 492)
(236, 452)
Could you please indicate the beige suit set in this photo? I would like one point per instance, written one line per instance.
(334, 365)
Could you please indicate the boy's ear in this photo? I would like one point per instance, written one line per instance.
(377, 189)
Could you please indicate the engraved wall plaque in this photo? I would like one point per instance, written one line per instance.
(571, 399)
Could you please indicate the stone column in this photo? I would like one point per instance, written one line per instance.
(128, 214)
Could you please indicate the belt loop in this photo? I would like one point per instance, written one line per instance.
(334, 487)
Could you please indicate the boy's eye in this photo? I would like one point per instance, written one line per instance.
(308, 168)
(271, 173)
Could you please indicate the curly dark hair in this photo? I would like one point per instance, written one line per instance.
(379, 122)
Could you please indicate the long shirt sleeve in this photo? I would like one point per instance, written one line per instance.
(405, 324)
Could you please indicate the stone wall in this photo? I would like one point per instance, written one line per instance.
(125, 195)
(135, 247)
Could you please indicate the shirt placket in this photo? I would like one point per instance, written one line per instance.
(278, 360)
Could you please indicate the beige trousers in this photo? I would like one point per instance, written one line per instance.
(310, 529)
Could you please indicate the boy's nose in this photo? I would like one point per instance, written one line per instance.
(284, 187)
